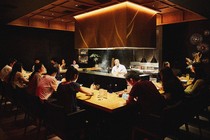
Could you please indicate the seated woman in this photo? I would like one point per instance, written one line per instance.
(16, 78)
(63, 64)
(74, 64)
(144, 94)
(199, 80)
(172, 86)
(66, 92)
(35, 77)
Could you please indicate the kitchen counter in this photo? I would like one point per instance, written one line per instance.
(99, 71)
(102, 74)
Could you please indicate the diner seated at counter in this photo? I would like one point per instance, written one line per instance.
(63, 64)
(74, 64)
(5, 71)
(199, 80)
(55, 64)
(16, 77)
(172, 86)
(37, 61)
(67, 90)
(35, 77)
(47, 84)
(144, 94)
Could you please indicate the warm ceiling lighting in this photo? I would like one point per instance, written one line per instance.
(115, 7)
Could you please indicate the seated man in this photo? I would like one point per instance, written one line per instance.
(47, 84)
(144, 94)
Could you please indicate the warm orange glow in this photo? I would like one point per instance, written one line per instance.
(139, 7)
(115, 7)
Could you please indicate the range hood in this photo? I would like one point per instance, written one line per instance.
(124, 25)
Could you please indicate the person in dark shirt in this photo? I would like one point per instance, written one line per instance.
(66, 92)
(144, 94)
(172, 86)
(199, 81)
(55, 64)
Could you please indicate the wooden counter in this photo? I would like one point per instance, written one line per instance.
(110, 103)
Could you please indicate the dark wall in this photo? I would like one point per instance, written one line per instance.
(177, 45)
(25, 44)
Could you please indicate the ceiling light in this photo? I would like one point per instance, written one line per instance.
(117, 6)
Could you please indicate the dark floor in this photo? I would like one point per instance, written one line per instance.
(14, 130)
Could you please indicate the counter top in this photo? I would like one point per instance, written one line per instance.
(102, 74)
(98, 71)
(103, 100)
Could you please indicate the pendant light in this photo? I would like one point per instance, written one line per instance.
(143, 60)
(153, 60)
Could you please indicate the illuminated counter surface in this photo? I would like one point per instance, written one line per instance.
(105, 80)
(102, 74)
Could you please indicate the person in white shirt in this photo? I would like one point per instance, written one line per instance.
(74, 64)
(16, 77)
(6, 70)
(47, 84)
(118, 69)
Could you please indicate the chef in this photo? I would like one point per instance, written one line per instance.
(118, 69)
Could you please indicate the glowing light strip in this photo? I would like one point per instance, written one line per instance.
(114, 7)
(119, 48)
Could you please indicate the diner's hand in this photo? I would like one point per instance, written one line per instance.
(120, 93)
(90, 94)
(186, 85)
(87, 91)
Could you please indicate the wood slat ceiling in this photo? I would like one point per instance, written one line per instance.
(62, 11)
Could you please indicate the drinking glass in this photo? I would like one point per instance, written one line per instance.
(104, 94)
(100, 94)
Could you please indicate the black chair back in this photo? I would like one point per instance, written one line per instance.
(66, 126)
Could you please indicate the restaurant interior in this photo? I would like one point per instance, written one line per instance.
(142, 34)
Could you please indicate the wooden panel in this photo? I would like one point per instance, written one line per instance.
(38, 23)
(122, 26)
(41, 17)
(20, 22)
(177, 17)
(70, 26)
(158, 19)
(58, 25)
(141, 28)
(192, 16)
(172, 17)
(51, 14)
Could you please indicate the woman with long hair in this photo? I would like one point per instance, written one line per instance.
(172, 86)
(16, 77)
